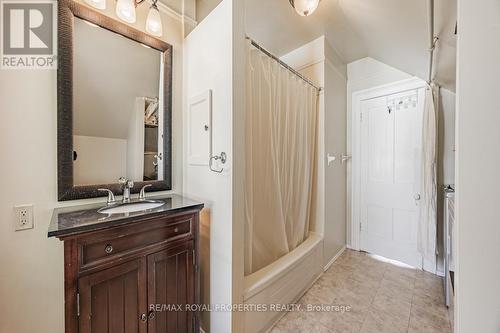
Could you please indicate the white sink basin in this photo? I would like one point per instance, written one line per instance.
(131, 207)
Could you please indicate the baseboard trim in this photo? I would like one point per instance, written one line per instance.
(440, 273)
(335, 257)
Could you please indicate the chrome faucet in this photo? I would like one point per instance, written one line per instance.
(142, 195)
(126, 186)
(111, 196)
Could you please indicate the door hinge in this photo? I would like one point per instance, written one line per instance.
(78, 304)
(360, 226)
(361, 117)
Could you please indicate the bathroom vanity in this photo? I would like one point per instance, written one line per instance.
(129, 266)
(130, 272)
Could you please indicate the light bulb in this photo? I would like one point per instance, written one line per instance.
(153, 21)
(99, 4)
(305, 7)
(125, 10)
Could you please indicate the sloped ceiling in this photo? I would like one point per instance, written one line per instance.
(392, 31)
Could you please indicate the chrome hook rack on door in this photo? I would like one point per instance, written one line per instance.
(222, 157)
(344, 158)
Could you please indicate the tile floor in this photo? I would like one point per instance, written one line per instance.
(384, 298)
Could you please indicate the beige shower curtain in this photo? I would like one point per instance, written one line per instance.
(281, 125)
(427, 227)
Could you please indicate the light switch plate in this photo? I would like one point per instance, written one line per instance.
(23, 217)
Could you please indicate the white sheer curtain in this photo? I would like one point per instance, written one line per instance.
(281, 124)
(428, 205)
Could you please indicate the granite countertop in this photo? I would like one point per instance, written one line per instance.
(73, 220)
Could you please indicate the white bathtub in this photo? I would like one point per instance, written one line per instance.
(282, 282)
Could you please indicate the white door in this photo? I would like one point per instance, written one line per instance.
(391, 134)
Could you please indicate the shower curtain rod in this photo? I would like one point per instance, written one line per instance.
(432, 39)
(282, 63)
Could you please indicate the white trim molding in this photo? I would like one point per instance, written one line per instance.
(357, 97)
(335, 257)
(175, 14)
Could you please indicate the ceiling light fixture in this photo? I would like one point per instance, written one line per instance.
(304, 7)
(125, 10)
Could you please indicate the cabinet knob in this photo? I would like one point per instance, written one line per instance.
(108, 249)
(176, 230)
(143, 317)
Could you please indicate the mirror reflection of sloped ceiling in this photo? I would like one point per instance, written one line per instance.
(110, 72)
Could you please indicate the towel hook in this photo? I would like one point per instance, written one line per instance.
(222, 157)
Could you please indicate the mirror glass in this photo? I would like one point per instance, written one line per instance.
(117, 108)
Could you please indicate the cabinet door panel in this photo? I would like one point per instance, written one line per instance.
(112, 300)
(171, 284)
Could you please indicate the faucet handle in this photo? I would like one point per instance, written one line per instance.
(125, 182)
(142, 194)
(111, 196)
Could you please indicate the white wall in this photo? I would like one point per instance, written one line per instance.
(446, 157)
(211, 51)
(31, 278)
(100, 160)
(135, 141)
(446, 161)
(335, 144)
(477, 307)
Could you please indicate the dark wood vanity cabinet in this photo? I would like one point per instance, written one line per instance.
(139, 277)
(170, 282)
(110, 300)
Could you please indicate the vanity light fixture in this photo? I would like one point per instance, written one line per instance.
(99, 4)
(153, 21)
(304, 7)
(125, 10)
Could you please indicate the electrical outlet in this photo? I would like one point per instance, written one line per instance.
(23, 217)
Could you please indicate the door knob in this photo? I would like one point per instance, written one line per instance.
(151, 315)
(108, 249)
(416, 196)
